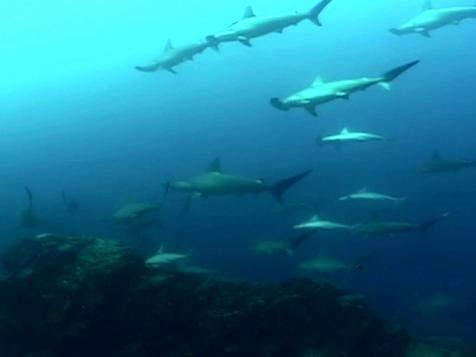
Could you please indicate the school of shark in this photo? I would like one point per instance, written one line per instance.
(213, 181)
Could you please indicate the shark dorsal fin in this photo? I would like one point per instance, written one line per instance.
(214, 166)
(436, 156)
(315, 218)
(362, 190)
(161, 249)
(168, 46)
(345, 131)
(318, 81)
(249, 13)
(428, 5)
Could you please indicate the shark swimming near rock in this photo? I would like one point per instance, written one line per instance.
(321, 92)
(165, 259)
(216, 183)
(431, 19)
(252, 26)
(173, 56)
(346, 136)
(438, 164)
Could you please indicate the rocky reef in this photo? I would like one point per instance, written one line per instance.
(85, 296)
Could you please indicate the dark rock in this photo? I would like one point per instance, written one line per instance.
(82, 296)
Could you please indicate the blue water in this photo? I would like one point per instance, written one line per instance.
(76, 116)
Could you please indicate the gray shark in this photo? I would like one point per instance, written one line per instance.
(317, 224)
(174, 56)
(215, 183)
(390, 228)
(252, 26)
(441, 165)
(431, 19)
(135, 213)
(162, 258)
(321, 92)
(346, 136)
(365, 195)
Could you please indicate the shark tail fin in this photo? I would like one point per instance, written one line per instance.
(424, 227)
(313, 14)
(278, 104)
(280, 187)
(393, 74)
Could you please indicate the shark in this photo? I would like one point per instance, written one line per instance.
(162, 258)
(323, 264)
(347, 136)
(439, 164)
(321, 92)
(252, 26)
(216, 183)
(135, 213)
(318, 224)
(365, 195)
(390, 228)
(431, 19)
(269, 247)
(173, 56)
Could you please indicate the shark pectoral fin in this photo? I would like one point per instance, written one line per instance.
(245, 41)
(311, 109)
(171, 70)
(385, 85)
(424, 32)
(197, 195)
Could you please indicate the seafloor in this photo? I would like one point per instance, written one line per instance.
(85, 296)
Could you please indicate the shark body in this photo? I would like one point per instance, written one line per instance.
(431, 19)
(252, 26)
(439, 164)
(216, 183)
(365, 195)
(173, 56)
(346, 136)
(320, 92)
(390, 228)
(317, 224)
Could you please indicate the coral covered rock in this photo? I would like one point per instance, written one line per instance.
(79, 296)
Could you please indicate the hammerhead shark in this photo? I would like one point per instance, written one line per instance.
(252, 26)
(216, 183)
(440, 165)
(431, 19)
(173, 56)
(320, 92)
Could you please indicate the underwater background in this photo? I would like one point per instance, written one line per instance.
(77, 117)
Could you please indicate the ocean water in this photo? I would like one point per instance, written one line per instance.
(76, 116)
